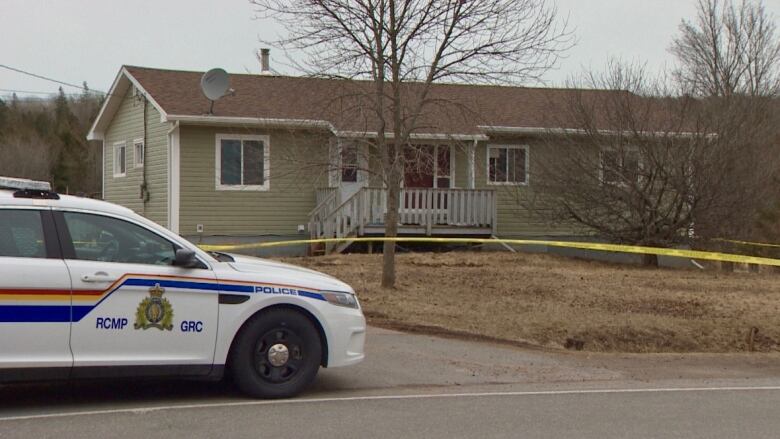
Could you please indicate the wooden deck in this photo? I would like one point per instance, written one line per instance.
(428, 212)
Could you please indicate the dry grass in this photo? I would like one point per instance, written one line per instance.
(546, 300)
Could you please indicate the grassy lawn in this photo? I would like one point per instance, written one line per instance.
(545, 300)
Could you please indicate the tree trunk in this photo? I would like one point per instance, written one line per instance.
(391, 228)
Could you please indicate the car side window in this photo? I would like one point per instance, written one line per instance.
(106, 239)
(21, 234)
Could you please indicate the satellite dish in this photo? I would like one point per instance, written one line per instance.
(214, 84)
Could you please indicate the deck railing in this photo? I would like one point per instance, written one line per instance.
(428, 208)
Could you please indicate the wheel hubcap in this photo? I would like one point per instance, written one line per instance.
(278, 355)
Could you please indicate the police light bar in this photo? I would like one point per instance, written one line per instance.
(22, 184)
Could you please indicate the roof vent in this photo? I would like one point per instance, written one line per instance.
(265, 61)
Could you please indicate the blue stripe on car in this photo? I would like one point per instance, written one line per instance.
(75, 313)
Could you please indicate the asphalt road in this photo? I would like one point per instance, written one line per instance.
(421, 386)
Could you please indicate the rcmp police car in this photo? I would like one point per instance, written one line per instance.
(91, 289)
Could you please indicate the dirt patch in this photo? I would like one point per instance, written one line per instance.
(547, 300)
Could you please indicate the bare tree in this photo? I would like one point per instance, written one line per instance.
(730, 55)
(26, 157)
(730, 48)
(664, 160)
(403, 47)
(44, 139)
(648, 166)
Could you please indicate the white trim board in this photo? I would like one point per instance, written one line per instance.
(471, 166)
(174, 178)
(116, 93)
(578, 131)
(413, 136)
(308, 123)
(103, 171)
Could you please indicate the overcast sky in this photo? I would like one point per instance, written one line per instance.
(88, 40)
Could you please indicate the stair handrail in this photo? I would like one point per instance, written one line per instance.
(325, 201)
(331, 216)
(321, 211)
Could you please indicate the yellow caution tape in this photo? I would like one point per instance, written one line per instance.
(690, 254)
(757, 244)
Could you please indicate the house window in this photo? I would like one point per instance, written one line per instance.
(120, 159)
(139, 151)
(619, 167)
(242, 162)
(507, 165)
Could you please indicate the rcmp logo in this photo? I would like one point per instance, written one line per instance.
(154, 311)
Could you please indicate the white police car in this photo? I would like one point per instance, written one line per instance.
(91, 289)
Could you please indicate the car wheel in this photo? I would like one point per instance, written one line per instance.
(277, 354)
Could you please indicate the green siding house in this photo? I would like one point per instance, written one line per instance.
(290, 157)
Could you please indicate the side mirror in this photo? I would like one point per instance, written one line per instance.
(185, 258)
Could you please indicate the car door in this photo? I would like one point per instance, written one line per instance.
(147, 315)
(35, 294)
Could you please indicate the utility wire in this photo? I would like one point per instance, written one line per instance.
(80, 87)
(8, 90)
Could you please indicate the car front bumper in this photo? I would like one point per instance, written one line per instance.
(347, 337)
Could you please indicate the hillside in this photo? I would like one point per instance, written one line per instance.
(45, 139)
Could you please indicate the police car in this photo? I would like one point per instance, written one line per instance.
(91, 289)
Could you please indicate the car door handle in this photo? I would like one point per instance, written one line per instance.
(100, 276)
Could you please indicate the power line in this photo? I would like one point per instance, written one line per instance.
(34, 75)
(8, 90)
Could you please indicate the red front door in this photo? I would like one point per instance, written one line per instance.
(426, 167)
(418, 173)
(418, 166)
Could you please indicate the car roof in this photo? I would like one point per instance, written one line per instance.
(65, 201)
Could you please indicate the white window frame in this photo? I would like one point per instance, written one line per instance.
(507, 183)
(136, 144)
(116, 169)
(266, 162)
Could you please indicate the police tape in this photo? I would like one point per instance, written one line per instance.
(616, 248)
(755, 244)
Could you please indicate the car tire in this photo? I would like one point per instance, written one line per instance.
(276, 355)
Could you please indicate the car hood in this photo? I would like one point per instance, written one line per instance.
(287, 274)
